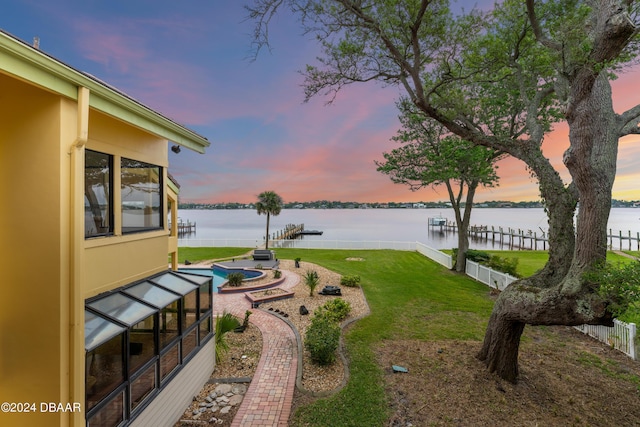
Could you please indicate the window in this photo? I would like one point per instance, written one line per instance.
(138, 337)
(98, 197)
(141, 187)
(169, 361)
(166, 302)
(104, 364)
(112, 414)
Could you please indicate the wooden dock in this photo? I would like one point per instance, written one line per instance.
(293, 231)
(532, 240)
(621, 238)
(290, 231)
(185, 227)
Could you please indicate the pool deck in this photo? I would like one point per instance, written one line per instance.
(249, 263)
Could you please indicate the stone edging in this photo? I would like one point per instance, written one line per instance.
(256, 301)
(224, 289)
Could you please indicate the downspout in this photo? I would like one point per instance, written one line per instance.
(76, 267)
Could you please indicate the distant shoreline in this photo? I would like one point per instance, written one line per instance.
(391, 205)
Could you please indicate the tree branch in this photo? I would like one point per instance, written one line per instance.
(629, 121)
(537, 31)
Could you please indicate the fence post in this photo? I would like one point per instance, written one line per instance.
(632, 341)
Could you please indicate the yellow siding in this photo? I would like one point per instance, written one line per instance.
(115, 137)
(31, 250)
(115, 261)
(114, 265)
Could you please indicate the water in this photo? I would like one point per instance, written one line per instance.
(219, 274)
(397, 225)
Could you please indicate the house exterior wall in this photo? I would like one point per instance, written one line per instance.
(49, 115)
(172, 214)
(113, 261)
(34, 225)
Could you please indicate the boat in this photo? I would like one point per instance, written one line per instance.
(437, 221)
(311, 232)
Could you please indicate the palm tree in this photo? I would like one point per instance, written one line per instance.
(269, 203)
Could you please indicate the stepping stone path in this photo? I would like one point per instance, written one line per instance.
(219, 401)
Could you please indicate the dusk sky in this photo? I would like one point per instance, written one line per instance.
(190, 61)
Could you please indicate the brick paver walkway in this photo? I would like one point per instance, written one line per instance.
(270, 396)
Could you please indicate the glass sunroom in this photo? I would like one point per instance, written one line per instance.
(137, 338)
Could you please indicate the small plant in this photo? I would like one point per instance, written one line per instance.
(225, 323)
(245, 323)
(259, 266)
(235, 279)
(350, 280)
(312, 280)
(297, 262)
(335, 310)
(322, 340)
(277, 274)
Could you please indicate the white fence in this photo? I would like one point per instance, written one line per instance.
(305, 244)
(489, 277)
(621, 336)
(434, 254)
(219, 243)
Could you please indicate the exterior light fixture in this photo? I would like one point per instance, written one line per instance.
(175, 149)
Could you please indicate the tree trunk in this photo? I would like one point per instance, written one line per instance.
(462, 221)
(463, 247)
(501, 345)
(591, 160)
(557, 295)
(522, 301)
(266, 242)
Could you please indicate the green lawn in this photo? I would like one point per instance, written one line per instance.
(531, 261)
(411, 297)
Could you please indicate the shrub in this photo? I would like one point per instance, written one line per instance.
(505, 265)
(336, 310)
(350, 280)
(619, 285)
(235, 279)
(322, 340)
(478, 256)
(312, 280)
(277, 274)
(225, 323)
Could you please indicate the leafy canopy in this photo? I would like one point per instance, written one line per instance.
(431, 155)
(269, 203)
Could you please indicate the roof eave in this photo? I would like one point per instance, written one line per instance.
(32, 65)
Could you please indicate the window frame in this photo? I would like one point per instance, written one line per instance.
(156, 213)
(110, 214)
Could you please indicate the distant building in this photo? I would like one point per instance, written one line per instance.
(91, 318)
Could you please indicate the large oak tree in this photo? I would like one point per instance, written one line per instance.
(498, 81)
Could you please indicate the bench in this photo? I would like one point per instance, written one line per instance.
(263, 255)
